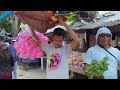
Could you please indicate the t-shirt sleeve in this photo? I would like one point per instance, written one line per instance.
(88, 57)
(68, 49)
(45, 47)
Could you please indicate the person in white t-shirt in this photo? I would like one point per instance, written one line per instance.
(57, 53)
(97, 52)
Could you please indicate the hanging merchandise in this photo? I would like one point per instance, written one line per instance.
(38, 20)
(27, 47)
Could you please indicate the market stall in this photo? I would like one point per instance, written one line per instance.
(110, 20)
(76, 65)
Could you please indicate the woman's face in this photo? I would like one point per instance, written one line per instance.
(104, 39)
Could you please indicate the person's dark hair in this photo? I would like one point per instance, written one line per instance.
(10, 41)
(59, 32)
(6, 40)
(5, 55)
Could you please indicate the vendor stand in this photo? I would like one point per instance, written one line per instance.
(76, 66)
(76, 72)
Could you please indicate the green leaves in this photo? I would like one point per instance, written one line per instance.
(97, 68)
(5, 24)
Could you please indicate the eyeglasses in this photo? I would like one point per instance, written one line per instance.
(103, 35)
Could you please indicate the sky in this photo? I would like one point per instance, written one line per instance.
(102, 12)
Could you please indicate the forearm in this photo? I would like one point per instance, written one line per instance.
(34, 34)
(75, 42)
(36, 38)
(72, 33)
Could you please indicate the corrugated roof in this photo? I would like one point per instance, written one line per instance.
(110, 20)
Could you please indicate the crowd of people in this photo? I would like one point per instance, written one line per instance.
(58, 54)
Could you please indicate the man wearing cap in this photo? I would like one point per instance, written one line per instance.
(12, 50)
(98, 52)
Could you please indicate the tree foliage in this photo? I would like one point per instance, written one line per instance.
(6, 24)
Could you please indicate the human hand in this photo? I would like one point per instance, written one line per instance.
(61, 21)
(52, 24)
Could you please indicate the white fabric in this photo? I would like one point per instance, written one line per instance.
(102, 30)
(62, 72)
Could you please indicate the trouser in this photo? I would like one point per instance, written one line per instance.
(15, 70)
(7, 75)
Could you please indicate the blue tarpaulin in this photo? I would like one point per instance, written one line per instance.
(6, 14)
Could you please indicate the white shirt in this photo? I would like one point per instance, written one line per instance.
(57, 67)
(98, 53)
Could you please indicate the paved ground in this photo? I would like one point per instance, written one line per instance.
(31, 74)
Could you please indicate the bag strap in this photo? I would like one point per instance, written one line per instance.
(108, 52)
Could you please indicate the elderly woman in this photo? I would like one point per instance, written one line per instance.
(104, 49)
(6, 62)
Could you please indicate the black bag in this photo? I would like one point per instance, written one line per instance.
(115, 59)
